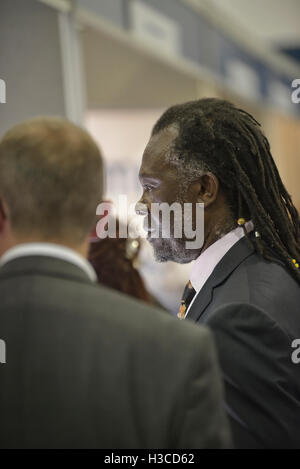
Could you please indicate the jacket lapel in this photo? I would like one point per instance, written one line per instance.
(232, 259)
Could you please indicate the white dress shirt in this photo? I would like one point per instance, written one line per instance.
(49, 250)
(209, 259)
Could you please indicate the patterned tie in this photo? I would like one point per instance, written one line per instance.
(188, 295)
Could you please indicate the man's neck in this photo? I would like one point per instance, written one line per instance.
(218, 231)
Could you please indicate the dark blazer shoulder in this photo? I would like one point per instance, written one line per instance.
(244, 276)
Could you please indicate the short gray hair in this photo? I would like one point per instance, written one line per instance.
(50, 179)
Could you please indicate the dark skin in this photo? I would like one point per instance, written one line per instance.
(161, 182)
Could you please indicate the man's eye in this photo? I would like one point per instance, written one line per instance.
(148, 188)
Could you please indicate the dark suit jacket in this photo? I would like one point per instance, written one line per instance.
(90, 368)
(253, 307)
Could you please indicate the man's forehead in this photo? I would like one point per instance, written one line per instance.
(163, 139)
(158, 147)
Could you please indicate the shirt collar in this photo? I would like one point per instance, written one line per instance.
(49, 250)
(208, 260)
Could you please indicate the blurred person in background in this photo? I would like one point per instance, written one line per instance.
(245, 282)
(114, 261)
(87, 367)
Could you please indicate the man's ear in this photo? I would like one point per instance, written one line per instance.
(207, 188)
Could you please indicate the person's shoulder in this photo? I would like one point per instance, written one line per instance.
(270, 270)
(244, 330)
(268, 283)
(246, 323)
(273, 289)
(137, 316)
(151, 334)
(98, 311)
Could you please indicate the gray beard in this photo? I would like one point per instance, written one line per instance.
(173, 250)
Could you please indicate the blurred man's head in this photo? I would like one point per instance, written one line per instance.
(208, 151)
(50, 184)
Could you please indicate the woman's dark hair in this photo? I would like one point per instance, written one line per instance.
(115, 269)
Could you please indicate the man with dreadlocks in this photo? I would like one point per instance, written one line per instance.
(245, 281)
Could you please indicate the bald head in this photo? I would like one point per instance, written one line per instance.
(50, 180)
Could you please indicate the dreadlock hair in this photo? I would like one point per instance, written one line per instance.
(216, 136)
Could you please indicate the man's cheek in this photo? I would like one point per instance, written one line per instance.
(157, 197)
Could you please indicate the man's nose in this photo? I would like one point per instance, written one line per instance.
(141, 208)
